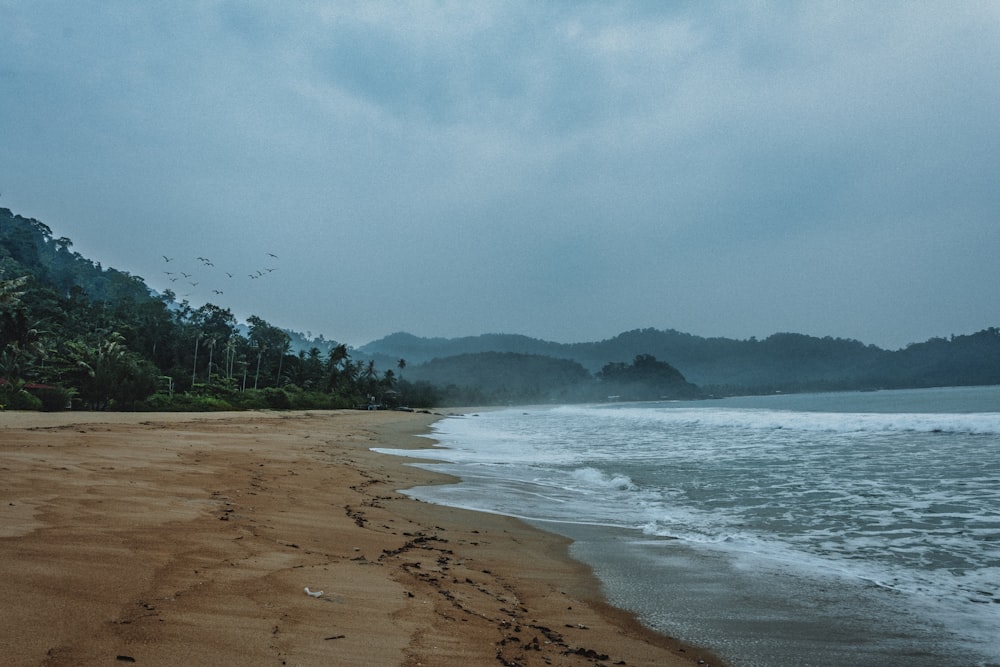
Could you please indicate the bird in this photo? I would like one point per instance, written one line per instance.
(186, 275)
(169, 273)
(229, 274)
(217, 291)
(165, 258)
(193, 284)
(272, 255)
(314, 594)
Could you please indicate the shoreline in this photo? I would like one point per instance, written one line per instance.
(191, 537)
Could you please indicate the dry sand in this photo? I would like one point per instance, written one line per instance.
(189, 539)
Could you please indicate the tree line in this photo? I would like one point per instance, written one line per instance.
(74, 334)
(787, 362)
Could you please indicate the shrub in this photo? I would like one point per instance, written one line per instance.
(277, 398)
(184, 403)
(54, 399)
(22, 400)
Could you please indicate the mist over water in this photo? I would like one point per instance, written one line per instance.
(822, 529)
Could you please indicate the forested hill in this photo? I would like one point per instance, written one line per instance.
(781, 362)
(73, 333)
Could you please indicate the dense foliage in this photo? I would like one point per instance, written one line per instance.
(75, 334)
(646, 379)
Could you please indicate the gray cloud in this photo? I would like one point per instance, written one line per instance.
(563, 170)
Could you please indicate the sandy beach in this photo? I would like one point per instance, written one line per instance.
(169, 539)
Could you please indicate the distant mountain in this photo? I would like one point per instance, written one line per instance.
(484, 378)
(418, 350)
(781, 362)
(490, 378)
(939, 362)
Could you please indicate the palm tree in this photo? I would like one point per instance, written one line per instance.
(230, 352)
(11, 292)
(194, 369)
(211, 351)
(260, 352)
(108, 369)
(370, 376)
(335, 367)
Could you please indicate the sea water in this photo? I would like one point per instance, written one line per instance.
(812, 529)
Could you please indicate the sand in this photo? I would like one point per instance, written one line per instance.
(189, 539)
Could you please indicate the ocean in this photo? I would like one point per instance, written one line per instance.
(809, 529)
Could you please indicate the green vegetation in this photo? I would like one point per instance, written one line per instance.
(73, 334)
(646, 379)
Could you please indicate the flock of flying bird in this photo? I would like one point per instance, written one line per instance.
(191, 279)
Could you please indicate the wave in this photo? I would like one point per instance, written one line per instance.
(593, 477)
(984, 423)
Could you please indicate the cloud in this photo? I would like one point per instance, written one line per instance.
(565, 170)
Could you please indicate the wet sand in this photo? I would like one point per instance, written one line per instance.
(169, 539)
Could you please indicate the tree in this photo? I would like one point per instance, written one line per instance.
(370, 377)
(335, 362)
(104, 370)
(310, 371)
(22, 345)
(272, 340)
(11, 291)
(646, 378)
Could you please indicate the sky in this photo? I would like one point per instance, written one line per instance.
(562, 170)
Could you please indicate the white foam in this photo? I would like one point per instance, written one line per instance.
(834, 422)
(595, 478)
(907, 501)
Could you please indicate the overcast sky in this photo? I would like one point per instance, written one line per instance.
(564, 170)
